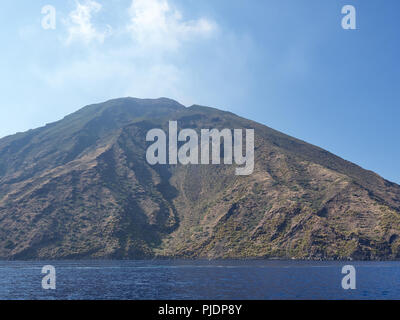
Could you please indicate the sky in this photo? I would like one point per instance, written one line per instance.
(288, 64)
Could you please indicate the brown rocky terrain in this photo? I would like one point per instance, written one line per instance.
(81, 188)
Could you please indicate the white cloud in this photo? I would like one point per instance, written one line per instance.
(146, 58)
(155, 23)
(79, 23)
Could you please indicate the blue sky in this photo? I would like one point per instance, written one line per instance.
(285, 63)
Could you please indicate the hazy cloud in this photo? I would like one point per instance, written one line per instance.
(79, 23)
(156, 23)
(146, 55)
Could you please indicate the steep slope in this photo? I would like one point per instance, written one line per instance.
(81, 188)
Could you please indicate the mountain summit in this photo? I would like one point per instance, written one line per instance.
(82, 188)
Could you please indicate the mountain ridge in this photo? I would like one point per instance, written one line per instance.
(81, 188)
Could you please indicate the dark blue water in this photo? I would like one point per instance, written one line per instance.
(199, 280)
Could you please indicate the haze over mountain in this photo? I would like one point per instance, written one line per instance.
(81, 188)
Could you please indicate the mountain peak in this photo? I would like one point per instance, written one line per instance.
(150, 101)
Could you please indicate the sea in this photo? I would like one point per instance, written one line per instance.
(198, 280)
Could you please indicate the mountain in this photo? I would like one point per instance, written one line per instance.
(82, 188)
